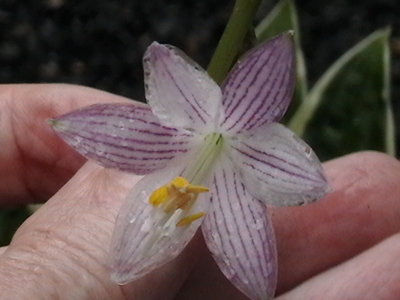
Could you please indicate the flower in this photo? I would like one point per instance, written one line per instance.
(212, 157)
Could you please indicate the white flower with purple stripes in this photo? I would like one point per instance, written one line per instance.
(212, 157)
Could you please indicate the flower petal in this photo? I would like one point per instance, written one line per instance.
(179, 91)
(278, 167)
(144, 238)
(240, 236)
(259, 88)
(122, 136)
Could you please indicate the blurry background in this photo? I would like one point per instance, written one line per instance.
(101, 43)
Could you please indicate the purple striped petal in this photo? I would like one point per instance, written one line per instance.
(144, 237)
(278, 167)
(240, 236)
(127, 137)
(260, 87)
(179, 91)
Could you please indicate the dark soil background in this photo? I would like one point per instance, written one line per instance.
(100, 43)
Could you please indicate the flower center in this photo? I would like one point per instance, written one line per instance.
(178, 194)
(200, 166)
(177, 197)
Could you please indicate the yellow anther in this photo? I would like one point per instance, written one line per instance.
(180, 182)
(197, 189)
(177, 194)
(159, 196)
(189, 219)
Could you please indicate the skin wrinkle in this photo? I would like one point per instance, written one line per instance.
(77, 260)
(48, 257)
(50, 244)
(40, 265)
(12, 272)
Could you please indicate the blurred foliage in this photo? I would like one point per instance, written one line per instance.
(354, 111)
(348, 109)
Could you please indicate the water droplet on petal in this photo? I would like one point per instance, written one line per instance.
(236, 206)
(258, 225)
(100, 150)
(229, 271)
(121, 125)
(146, 225)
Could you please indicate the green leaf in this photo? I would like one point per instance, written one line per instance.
(282, 18)
(349, 108)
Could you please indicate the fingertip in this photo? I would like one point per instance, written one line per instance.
(34, 162)
(361, 210)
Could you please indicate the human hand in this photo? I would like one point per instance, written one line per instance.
(344, 247)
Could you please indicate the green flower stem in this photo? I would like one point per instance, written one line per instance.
(232, 39)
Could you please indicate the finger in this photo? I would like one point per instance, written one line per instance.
(373, 274)
(206, 281)
(361, 210)
(61, 251)
(34, 162)
(2, 250)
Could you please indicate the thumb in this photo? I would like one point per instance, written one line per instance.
(61, 251)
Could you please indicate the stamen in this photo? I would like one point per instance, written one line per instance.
(180, 182)
(159, 196)
(178, 195)
(189, 219)
(197, 189)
